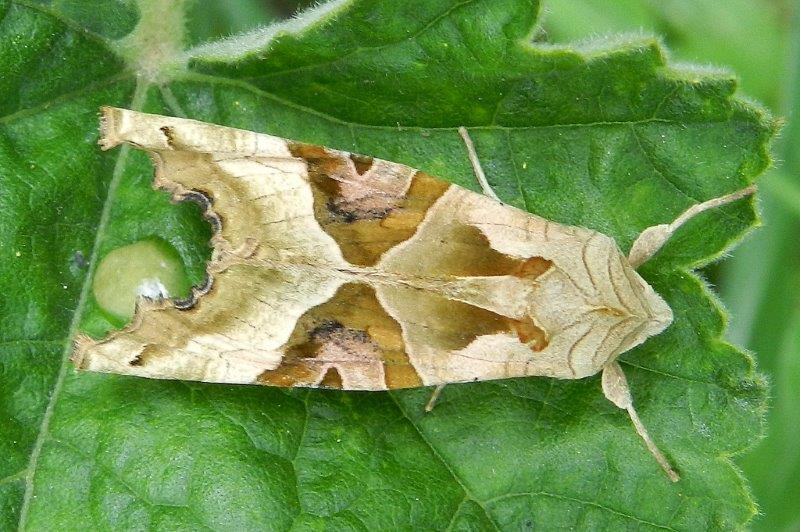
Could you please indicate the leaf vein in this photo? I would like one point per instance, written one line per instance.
(71, 24)
(21, 113)
(115, 475)
(363, 49)
(455, 514)
(207, 78)
(19, 475)
(444, 462)
(138, 99)
(657, 167)
(517, 177)
(582, 502)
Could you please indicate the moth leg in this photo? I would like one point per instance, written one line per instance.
(653, 238)
(616, 390)
(476, 164)
(434, 397)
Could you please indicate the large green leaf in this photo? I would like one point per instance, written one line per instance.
(607, 135)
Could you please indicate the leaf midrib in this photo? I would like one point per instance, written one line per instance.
(136, 103)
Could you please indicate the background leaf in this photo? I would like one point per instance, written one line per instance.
(607, 135)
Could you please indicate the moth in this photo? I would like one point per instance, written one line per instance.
(336, 270)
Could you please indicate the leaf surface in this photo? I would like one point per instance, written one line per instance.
(606, 135)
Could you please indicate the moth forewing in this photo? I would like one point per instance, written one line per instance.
(504, 293)
(338, 270)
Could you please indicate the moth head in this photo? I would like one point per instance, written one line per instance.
(657, 316)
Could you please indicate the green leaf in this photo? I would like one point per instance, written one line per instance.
(606, 135)
(685, 26)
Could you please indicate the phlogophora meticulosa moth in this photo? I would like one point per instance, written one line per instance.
(336, 270)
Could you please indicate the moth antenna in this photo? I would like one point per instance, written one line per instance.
(616, 390)
(434, 397)
(476, 164)
(653, 238)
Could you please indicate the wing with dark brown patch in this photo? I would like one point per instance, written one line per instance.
(367, 205)
(349, 341)
(462, 250)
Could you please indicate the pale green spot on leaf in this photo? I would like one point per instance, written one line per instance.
(151, 268)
